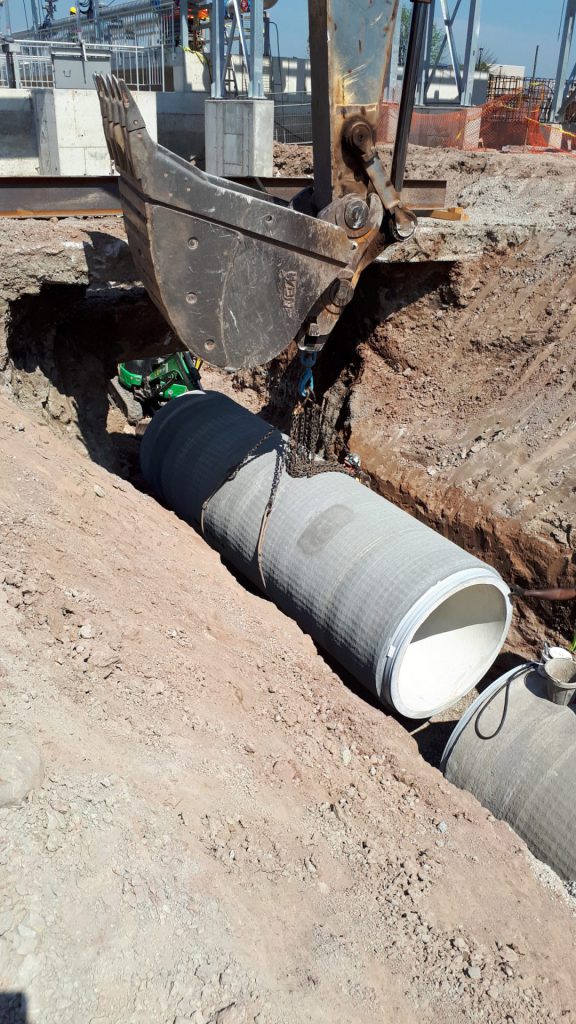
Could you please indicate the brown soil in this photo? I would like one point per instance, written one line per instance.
(456, 380)
(224, 830)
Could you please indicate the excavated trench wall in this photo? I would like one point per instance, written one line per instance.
(454, 381)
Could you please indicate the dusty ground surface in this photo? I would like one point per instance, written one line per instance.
(220, 830)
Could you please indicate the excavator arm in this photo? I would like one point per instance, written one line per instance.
(239, 274)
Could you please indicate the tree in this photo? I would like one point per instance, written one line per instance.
(486, 58)
(405, 19)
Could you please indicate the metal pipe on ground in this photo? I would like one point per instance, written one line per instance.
(413, 617)
(515, 751)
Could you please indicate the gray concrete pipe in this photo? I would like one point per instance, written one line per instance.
(525, 773)
(414, 618)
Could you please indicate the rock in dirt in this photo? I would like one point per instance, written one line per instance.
(21, 768)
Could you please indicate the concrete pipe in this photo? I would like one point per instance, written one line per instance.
(414, 618)
(515, 751)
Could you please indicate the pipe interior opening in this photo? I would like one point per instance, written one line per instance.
(451, 650)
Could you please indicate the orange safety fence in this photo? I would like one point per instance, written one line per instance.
(510, 121)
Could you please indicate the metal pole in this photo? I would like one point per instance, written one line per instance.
(217, 47)
(535, 62)
(563, 58)
(471, 54)
(256, 66)
(425, 76)
(450, 40)
(35, 16)
(411, 72)
(96, 10)
(184, 40)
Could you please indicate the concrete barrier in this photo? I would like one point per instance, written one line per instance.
(59, 131)
(18, 142)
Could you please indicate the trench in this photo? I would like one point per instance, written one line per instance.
(63, 344)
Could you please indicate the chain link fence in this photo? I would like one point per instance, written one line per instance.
(292, 117)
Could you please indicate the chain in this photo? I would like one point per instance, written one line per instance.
(298, 455)
(232, 473)
(302, 450)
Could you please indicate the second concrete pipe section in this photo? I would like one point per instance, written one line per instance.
(414, 618)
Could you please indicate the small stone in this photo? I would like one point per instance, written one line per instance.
(510, 955)
(59, 805)
(14, 579)
(102, 656)
(21, 768)
(26, 940)
(474, 973)
(6, 921)
(442, 827)
(19, 427)
(346, 755)
(99, 491)
(86, 631)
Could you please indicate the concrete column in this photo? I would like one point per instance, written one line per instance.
(239, 137)
(191, 73)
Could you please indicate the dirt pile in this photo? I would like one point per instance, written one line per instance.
(224, 832)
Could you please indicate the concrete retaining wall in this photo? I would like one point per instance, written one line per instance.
(69, 132)
(59, 131)
(18, 143)
(179, 121)
(239, 137)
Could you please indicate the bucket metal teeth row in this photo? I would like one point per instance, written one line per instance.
(120, 117)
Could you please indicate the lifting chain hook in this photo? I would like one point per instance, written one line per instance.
(306, 382)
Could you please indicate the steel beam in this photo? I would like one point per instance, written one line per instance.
(64, 196)
(256, 61)
(217, 49)
(463, 72)
(424, 72)
(471, 52)
(562, 77)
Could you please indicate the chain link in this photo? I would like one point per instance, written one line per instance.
(302, 449)
(298, 455)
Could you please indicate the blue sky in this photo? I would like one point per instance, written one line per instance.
(510, 29)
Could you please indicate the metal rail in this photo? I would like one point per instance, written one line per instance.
(36, 196)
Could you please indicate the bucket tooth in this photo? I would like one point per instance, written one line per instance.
(234, 272)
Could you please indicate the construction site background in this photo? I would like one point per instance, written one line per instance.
(510, 121)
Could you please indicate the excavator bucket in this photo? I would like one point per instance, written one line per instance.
(234, 271)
